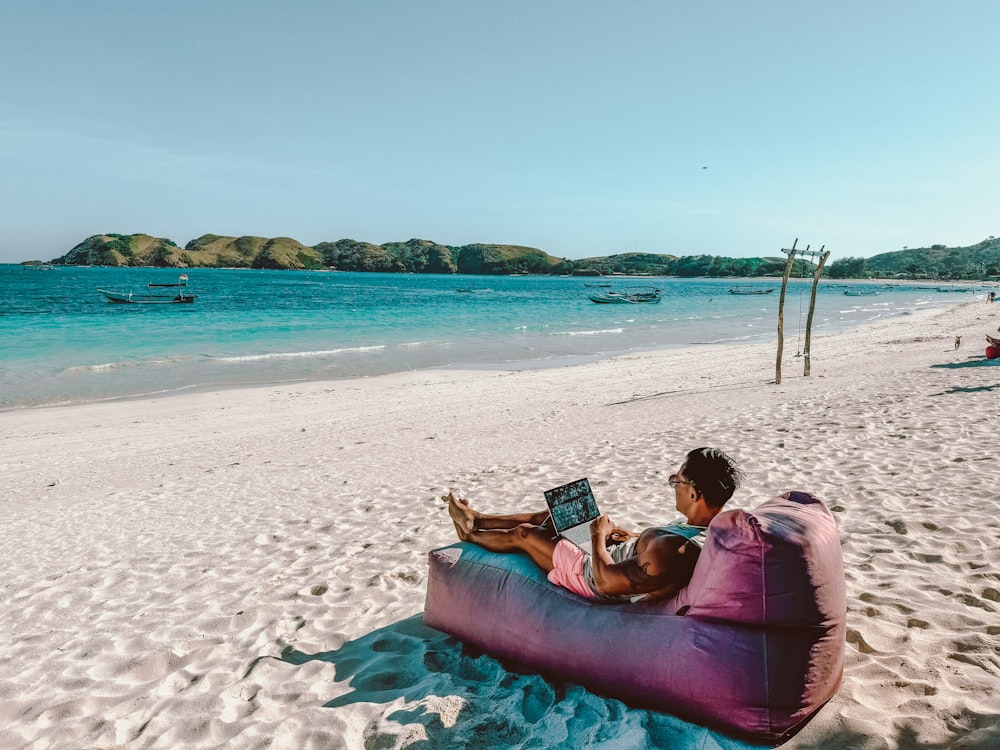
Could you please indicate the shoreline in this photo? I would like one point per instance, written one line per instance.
(768, 338)
(365, 327)
(246, 566)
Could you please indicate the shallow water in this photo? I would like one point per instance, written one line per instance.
(62, 342)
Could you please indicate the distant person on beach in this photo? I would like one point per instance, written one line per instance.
(991, 297)
(654, 564)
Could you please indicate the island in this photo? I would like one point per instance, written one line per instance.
(975, 262)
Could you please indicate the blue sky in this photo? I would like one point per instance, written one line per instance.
(582, 128)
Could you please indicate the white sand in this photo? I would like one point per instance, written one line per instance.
(247, 568)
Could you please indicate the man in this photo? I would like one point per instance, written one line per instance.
(655, 564)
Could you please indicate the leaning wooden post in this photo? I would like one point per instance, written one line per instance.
(812, 305)
(781, 311)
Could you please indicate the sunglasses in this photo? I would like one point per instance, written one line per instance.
(675, 480)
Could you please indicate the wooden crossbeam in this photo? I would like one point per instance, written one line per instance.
(810, 253)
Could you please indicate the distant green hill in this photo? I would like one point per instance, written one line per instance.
(979, 261)
(211, 250)
(499, 259)
(123, 250)
(424, 256)
(215, 251)
(629, 263)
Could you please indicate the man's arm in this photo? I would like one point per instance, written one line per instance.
(661, 565)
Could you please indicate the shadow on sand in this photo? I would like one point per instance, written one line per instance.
(465, 698)
(974, 362)
(436, 692)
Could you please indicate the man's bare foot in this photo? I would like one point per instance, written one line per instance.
(461, 514)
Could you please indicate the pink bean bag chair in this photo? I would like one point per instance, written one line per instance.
(753, 646)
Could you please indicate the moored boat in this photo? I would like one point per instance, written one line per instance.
(733, 290)
(131, 298)
(182, 280)
(631, 296)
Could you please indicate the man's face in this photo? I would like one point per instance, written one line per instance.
(684, 492)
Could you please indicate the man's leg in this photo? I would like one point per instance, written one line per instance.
(537, 541)
(519, 532)
(468, 520)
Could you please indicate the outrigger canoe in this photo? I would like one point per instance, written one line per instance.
(629, 296)
(131, 298)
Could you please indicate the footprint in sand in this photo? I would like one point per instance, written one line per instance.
(898, 526)
(855, 637)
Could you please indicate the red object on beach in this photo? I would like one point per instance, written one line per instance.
(993, 351)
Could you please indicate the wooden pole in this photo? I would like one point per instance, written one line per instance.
(812, 305)
(781, 312)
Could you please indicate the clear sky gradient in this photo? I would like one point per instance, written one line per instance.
(582, 128)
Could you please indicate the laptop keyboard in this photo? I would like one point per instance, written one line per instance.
(580, 536)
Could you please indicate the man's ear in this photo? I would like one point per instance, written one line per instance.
(698, 497)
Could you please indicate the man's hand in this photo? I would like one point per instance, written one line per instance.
(619, 535)
(603, 528)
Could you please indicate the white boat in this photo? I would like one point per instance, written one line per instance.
(131, 298)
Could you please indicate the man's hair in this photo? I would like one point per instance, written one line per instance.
(714, 474)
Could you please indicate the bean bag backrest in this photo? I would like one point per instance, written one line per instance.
(779, 564)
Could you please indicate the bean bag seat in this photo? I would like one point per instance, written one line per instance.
(753, 646)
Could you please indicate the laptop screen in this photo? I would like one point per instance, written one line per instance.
(572, 504)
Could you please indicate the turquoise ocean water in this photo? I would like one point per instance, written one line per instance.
(62, 342)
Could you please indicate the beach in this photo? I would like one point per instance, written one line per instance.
(246, 568)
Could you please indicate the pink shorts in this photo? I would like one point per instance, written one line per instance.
(567, 569)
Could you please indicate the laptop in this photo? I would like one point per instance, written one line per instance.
(572, 507)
